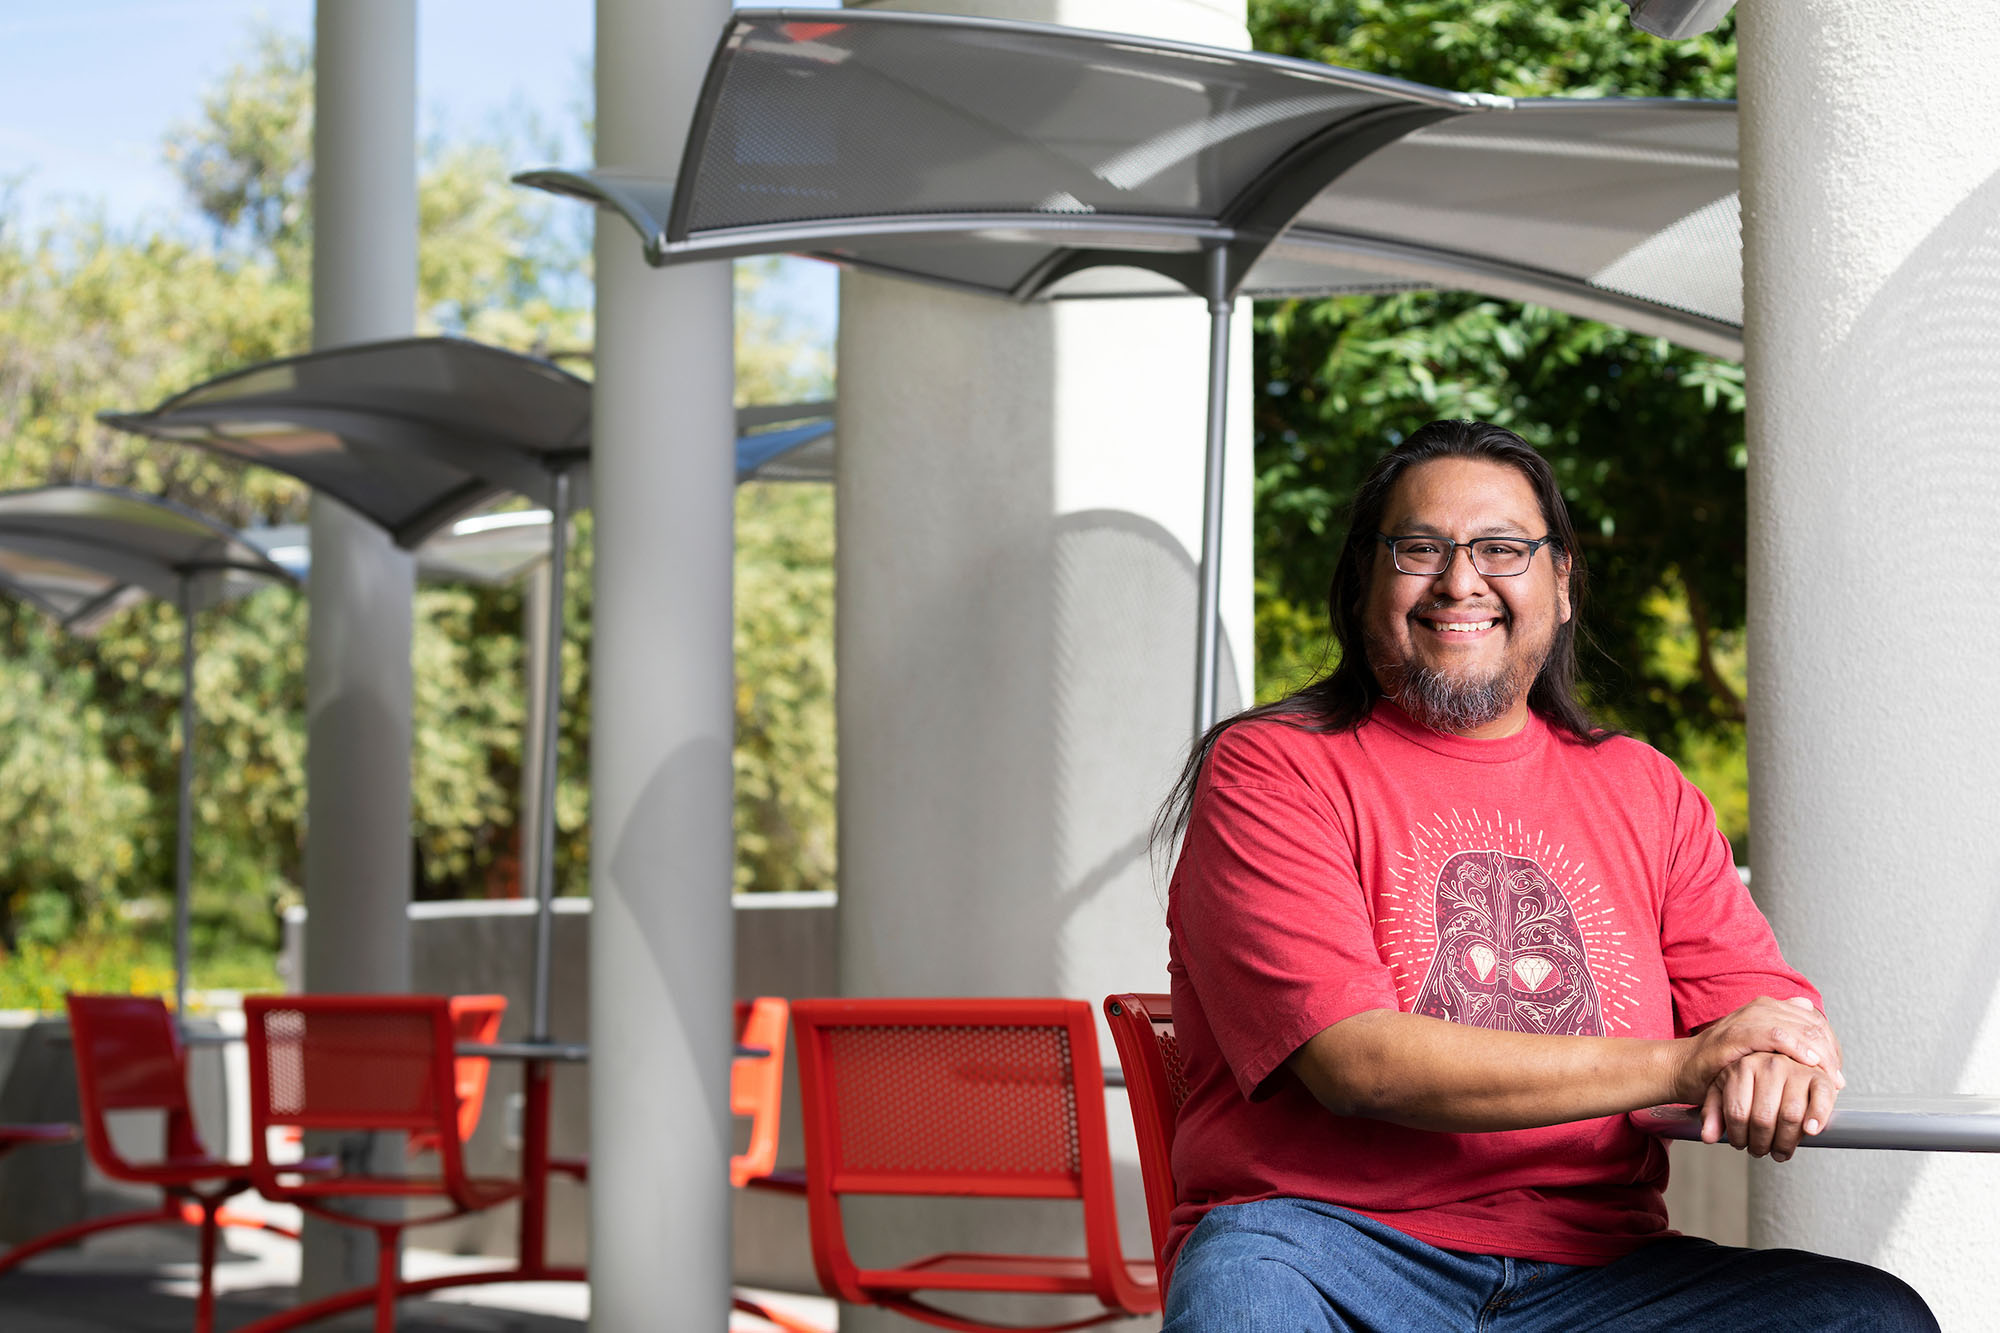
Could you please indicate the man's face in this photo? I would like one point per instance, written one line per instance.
(1458, 650)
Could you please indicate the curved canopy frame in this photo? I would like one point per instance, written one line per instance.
(82, 553)
(1031, 162)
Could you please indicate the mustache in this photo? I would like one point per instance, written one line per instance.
(1437, 604)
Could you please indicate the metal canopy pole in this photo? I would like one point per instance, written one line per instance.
(184, 843)
(545, 830)
(1208, 615)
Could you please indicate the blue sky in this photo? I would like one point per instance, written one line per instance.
(90, 88)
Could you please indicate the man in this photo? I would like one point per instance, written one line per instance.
(1434, 934)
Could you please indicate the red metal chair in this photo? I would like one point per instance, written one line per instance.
(757, 1084)
(475, 1019)
(756, 1090)
(1142, 1028)
(129, 1058)
(974, 1098)
(360, 1063)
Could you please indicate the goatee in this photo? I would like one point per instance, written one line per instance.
(1447, 703)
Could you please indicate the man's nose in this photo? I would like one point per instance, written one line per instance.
(1460, 579)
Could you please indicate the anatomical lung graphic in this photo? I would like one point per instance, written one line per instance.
(1509, 953)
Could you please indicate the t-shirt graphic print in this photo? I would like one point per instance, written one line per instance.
(1509, 952)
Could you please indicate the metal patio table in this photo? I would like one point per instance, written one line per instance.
(82, 553)
(1030, 162)
(1950, 1123)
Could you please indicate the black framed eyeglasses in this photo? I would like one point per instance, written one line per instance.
(1492, 557)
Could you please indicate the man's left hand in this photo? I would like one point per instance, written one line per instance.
(1765, 1103)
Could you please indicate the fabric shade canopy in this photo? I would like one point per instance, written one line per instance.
(1032, 162)
(417, 433)
(82, 553)
(1097, 164)
(412, 433)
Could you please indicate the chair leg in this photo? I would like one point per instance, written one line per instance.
(386, 1275)
(204, 1306)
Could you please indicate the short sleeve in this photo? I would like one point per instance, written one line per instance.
(1271, 921)
(1719, 951)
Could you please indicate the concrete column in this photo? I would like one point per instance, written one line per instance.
(662, 720)
(1871, 212)
(1019, 506)
(357, 860)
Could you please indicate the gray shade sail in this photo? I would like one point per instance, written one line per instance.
(498, 548)
(416, 433)
(82, 553)
(1096, 164)
(411, 433)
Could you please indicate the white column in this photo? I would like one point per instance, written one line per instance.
(662, 720)
(1019, 507)
(1871, 192)
(357, 858)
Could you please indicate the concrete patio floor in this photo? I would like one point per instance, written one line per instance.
(143, 1281)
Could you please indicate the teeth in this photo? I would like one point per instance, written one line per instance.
(1464, 627)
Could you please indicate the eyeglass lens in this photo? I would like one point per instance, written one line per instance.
(1429, 555)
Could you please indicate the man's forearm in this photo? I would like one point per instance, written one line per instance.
(1431, 1074)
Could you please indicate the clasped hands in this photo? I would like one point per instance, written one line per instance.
(1763, 1076)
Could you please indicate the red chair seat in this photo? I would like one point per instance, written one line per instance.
(1054, 1274)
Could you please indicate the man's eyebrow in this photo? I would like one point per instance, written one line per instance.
(1417, 528)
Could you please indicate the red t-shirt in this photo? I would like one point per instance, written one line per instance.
(1530, 882)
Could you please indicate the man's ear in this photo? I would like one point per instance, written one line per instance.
(1563, 564)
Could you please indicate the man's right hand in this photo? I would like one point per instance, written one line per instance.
(1791, 1028)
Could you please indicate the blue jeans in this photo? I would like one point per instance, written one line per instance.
(1294, 1266)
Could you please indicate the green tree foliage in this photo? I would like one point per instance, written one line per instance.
(784, 814)
(92, 318)
(1646, 438)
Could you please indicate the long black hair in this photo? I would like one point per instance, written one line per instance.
(1342, 699)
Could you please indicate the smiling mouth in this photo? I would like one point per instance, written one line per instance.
(1458, 626)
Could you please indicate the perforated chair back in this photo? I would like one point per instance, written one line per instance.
(757, 1083)
(1156, 1084)
(351, 1062)
(129, 1058)
(963, 1097)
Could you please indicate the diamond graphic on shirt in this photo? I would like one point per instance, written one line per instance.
(1510, 954)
